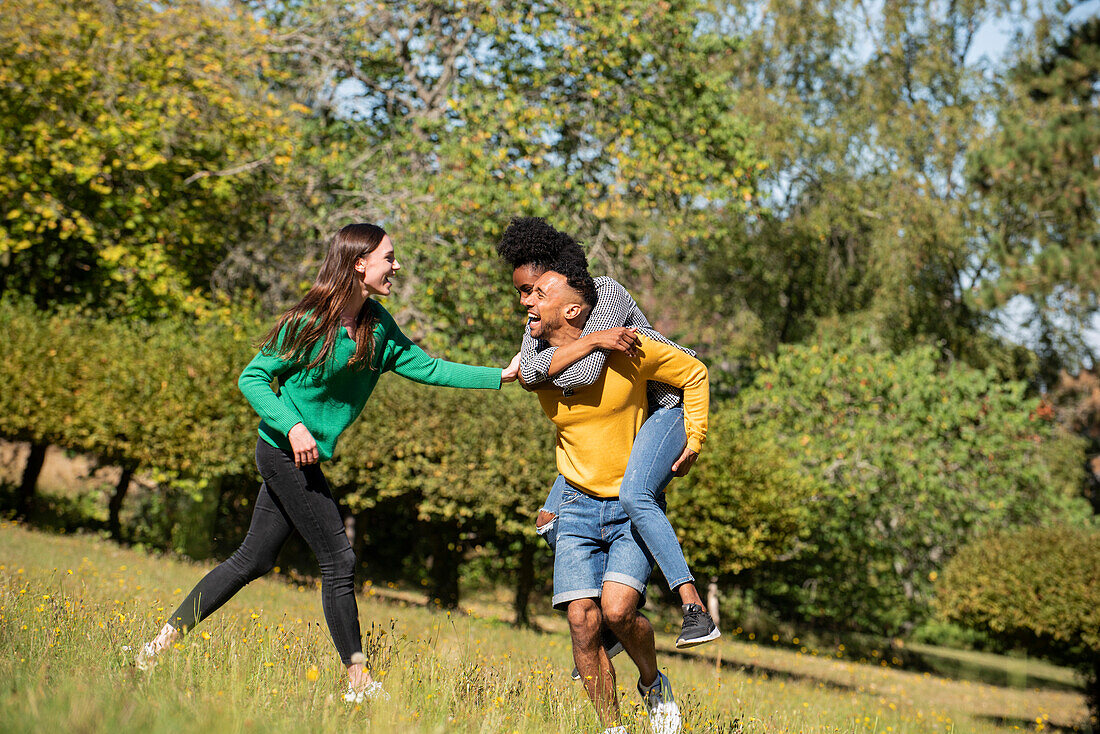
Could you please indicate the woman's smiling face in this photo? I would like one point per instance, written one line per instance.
(377, 267)
(523, 278)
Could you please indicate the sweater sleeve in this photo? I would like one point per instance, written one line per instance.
(255, 382)
(405, 358)
(534, 358)
(667, 364)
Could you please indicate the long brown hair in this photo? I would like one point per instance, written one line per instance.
(317, 316)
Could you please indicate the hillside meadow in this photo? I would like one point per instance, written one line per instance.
(73, 609)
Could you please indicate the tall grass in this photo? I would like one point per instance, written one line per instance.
(74, 609)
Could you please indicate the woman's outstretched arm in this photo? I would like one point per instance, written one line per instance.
(404, 357)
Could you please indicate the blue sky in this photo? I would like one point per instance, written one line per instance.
(993, 41)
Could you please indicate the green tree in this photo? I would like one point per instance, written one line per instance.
(743, 504)
(912, 459)
(1035, 588)
(40, 372)
(158, 397)
(865, 114)
(1039, 175)
(132, 137)
(608, 118)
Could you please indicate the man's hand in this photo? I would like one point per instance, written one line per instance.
(303, 446)
(511, 372)
(620, 338)
(683, 465)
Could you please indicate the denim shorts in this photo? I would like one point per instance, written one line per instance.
(596, 543)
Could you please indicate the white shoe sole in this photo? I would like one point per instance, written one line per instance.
(684, 644)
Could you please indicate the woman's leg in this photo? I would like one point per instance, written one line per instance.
(656, 447)
(304, 496)
(267, 533)
(256, 556)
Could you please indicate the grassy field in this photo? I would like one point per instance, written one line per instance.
(70, 606)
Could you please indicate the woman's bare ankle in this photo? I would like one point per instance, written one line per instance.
(358, 675)
(167, 637)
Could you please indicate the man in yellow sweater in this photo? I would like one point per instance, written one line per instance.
(601, 566)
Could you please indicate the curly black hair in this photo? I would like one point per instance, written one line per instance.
(578, 278)
(533, 241)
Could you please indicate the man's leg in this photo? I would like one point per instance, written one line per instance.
(628, 567)
(597, 672)
(619, 604)
(579, 562)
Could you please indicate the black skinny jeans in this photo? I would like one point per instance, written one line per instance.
(290, 499)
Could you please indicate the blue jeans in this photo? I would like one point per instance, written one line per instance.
(596, 543)
(658, 444)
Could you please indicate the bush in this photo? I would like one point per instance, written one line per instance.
(161, 398)
(472, 467)
(912, 458)
(744, 502)
(1036, 588)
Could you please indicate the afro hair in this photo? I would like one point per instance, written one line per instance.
(533, 241)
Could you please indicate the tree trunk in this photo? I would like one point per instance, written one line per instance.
(24, 499)
(349, 529)
(712, 599)
(525, 582)
(446, 560)
(1092, 695)
(114, 508)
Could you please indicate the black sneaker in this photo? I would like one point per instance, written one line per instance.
(698, 627)
(610, 643)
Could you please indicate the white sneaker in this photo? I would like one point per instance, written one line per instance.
(371, 692)
(660, 704)
(146, 660)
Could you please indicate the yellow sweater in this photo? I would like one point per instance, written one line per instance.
(597, 424)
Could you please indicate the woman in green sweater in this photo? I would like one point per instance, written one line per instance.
(326, 353)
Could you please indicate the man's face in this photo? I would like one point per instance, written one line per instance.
(550, 303)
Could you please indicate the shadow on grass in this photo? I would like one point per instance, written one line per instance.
(1005, 670)
(1030, 724)
(757, 669)
(57, 513)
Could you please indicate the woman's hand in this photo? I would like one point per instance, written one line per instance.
(684, 463)
(619, 338)
(303, 446)
(511, 372)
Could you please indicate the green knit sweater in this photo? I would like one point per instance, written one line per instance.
(327, 398)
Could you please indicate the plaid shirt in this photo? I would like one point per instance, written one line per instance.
(614, 307)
